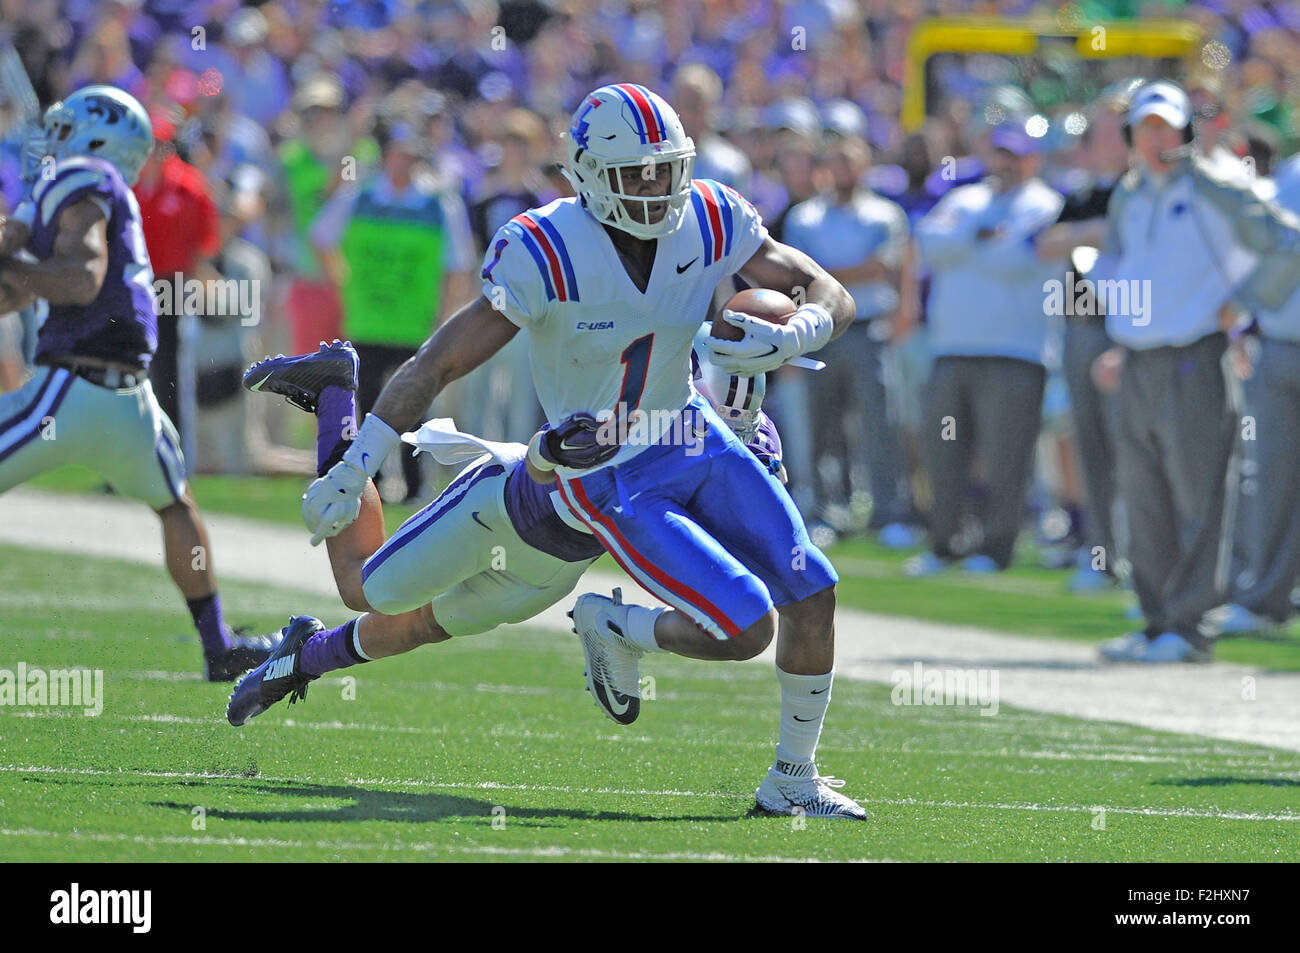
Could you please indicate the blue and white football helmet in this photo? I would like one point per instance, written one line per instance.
(100, 121)
(624, 126)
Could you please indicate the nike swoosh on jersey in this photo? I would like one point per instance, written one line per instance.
(474, 517)
(682, 268)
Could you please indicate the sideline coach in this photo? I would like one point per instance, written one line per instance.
(1188, 241)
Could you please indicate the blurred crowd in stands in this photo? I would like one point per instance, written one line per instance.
(354, 158)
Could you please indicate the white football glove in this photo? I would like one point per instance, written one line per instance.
(333, 501)
(766, 346)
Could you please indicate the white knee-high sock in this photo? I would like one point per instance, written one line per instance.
(639, 626)
(803, 709)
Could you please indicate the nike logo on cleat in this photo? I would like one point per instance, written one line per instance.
(280, 668)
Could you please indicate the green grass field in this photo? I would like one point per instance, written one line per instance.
(489, 749)
(1026, 600)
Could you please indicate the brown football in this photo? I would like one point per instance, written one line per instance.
(762, 303)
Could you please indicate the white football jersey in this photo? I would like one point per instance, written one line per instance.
(596, 340)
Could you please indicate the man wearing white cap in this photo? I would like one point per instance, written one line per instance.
(1183, 245)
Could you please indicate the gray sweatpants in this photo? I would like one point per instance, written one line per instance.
(1095, 425)
(1177, 476)
(1275, 514)
(995, 405)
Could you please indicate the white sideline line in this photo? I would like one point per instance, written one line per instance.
(626, 792)
(1123, 757)
(419, 846)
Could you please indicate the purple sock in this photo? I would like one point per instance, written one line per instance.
(326, 651)
(213, 633)
(336, 412)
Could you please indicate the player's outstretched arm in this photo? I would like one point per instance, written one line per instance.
(468, 338)
(75, 271)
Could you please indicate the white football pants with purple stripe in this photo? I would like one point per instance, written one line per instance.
(462, 553)
(57, 418)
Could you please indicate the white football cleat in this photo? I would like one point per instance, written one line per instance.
(795, 787)
(613, 671)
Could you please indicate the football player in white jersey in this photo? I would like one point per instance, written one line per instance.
(496, 546)
(611, 287)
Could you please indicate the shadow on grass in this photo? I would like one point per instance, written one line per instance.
(377, 805)
(1222, 782)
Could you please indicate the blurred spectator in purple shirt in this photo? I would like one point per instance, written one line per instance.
(105, 57)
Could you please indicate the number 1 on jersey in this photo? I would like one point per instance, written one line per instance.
(636, 363)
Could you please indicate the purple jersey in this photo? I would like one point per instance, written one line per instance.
(532, 513)
(121, 324)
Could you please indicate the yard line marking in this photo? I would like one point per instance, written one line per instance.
(1088, 809)
(642, 792)
(496, 732)
(158, 675)
(418, 846)
(391, 782)
(1121, 756)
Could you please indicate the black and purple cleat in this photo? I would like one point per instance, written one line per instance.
(301, 379)
(281, 674)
